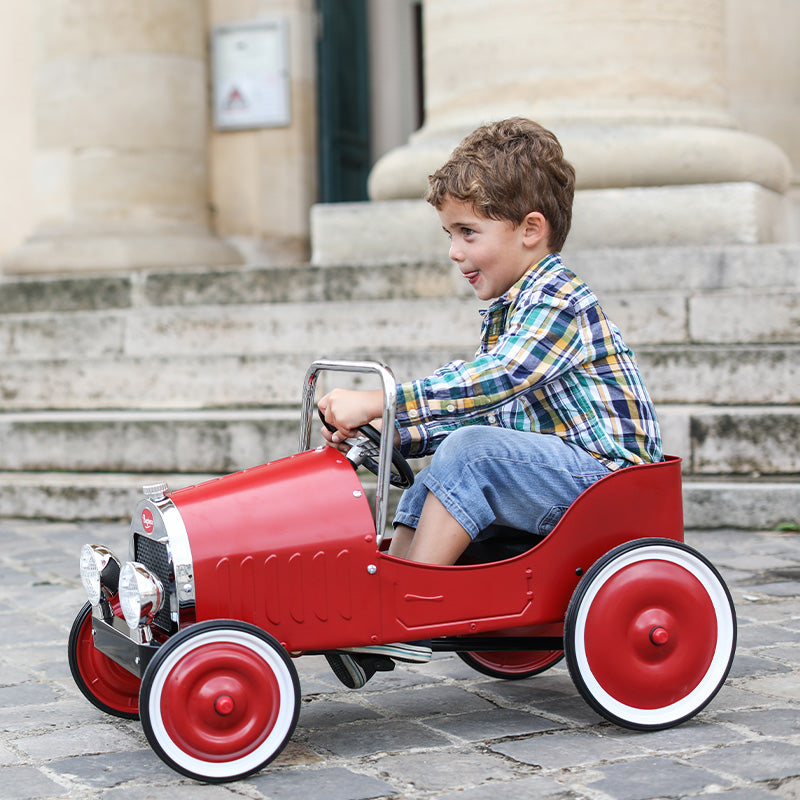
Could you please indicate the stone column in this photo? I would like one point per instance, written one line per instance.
(636, 93)
(121, 133)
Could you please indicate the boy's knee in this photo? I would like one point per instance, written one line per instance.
(460, 444)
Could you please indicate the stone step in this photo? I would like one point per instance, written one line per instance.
(717, 374)
(187, 382)
(713, 441)
(741, 504)
(691, 269)
(226, 286)
(213, 361)
(134, 441)
(648, 318)
(246, 330)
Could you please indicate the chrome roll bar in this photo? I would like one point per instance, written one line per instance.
(387, 423)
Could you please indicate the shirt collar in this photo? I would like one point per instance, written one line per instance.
(552, 261)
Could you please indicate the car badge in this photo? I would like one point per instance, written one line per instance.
(148, 523)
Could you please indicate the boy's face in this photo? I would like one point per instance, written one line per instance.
(491, 254)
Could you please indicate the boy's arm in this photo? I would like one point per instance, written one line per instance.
(541, 342)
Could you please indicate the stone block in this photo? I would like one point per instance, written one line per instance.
(740, 504)
(753, 316)
(376, 736)
(637, 780)
(458, 771)
(701, 214)
(26, 295)
(756, 761)
(381, 230)
(47, 336)
(746, 441)
(299, 327)
(98, 29)
(84, 740)
(481, 726)
(721, 374)
(674, 423)
(28, 783)
(648, 317)
(572, 748)
(88, 496)
(718, 214)
(153, 383)
(325, 782)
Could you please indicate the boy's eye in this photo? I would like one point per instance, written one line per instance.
(467, 231)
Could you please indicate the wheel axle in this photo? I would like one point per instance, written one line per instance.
(659, 636)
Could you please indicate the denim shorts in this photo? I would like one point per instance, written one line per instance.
(487, 476)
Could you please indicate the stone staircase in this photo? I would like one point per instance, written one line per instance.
(111, 381)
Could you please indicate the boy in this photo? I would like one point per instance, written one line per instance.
(553, 399)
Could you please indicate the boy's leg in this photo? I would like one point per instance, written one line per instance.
(483, 475)
(409, 511)
(439, 538)
(401, 541)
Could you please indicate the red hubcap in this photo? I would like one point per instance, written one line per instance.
(651, 633)
(220, 702)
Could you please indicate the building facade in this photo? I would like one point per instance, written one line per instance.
(682, 119)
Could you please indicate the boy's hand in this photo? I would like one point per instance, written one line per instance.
(346, 410)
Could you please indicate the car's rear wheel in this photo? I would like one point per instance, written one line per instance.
(219, 700)
(650, 634)
(512, 664)
(103, 682)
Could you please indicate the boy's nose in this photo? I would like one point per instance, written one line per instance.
(455, 254)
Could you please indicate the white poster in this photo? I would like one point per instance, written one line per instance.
(251, 75)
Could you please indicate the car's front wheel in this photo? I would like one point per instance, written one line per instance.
(219, 700)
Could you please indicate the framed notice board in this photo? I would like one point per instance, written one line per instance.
(250, 64)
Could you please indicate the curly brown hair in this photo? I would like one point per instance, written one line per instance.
(506, 170)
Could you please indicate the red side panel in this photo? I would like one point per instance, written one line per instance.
(421, 600)
(286, 546)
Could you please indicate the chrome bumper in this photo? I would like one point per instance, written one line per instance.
(112, 641)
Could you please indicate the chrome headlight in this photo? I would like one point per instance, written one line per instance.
(99, 569)
(141, 594)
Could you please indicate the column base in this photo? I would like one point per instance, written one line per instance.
(408, 231)
(607, 156)
(111, 252)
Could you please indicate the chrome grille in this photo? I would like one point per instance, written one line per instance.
(154, 556)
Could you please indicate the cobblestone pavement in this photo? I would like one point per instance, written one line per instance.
(433, 731)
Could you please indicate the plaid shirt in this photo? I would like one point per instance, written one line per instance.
(550, 361)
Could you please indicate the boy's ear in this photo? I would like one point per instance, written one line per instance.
(536, 228)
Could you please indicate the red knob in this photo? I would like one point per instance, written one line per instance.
(224, 705)
(659, 636)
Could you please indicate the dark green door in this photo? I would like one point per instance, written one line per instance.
(343, 100)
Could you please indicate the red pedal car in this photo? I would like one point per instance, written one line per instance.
(230, 580)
